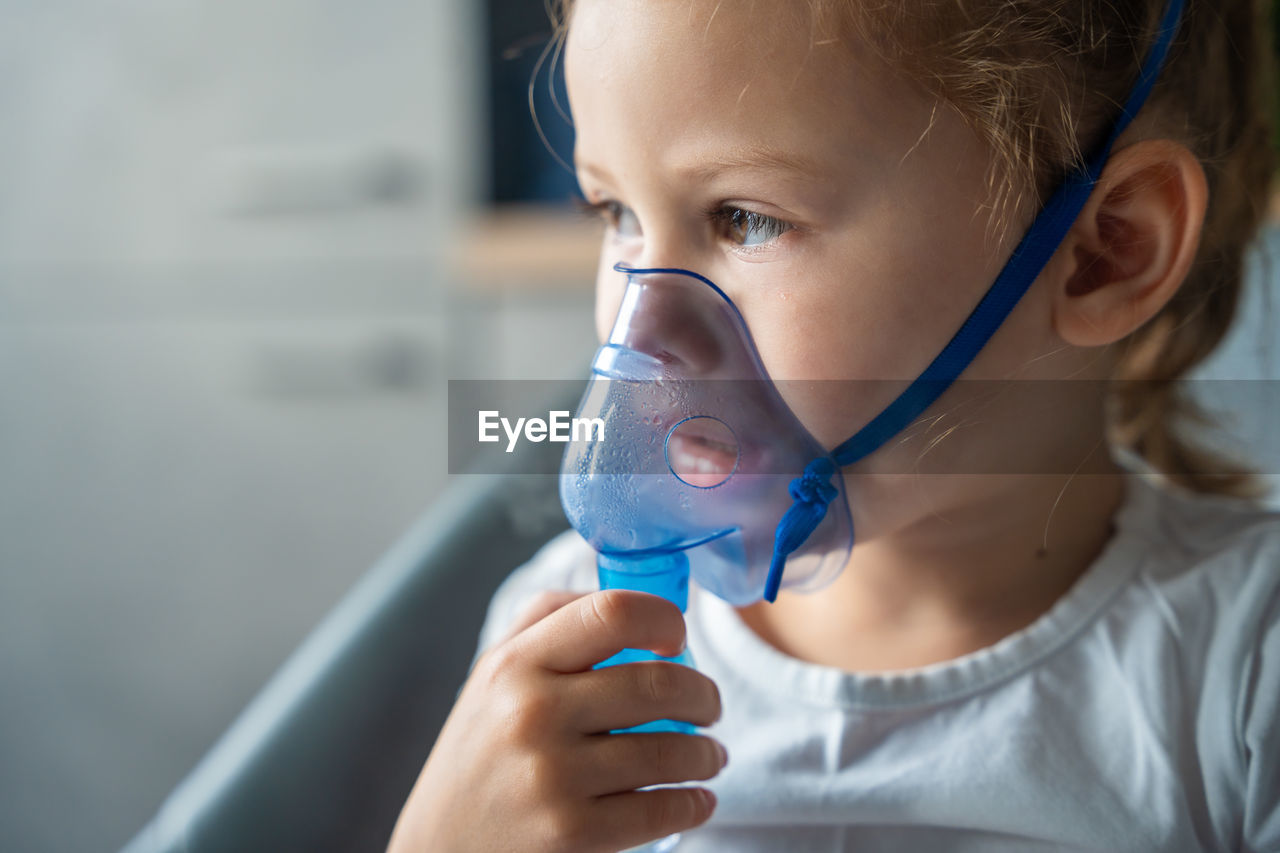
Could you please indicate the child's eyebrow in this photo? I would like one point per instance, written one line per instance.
(705, 168)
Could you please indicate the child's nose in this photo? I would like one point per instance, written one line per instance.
(673, 318)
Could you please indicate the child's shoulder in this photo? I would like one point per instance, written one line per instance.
(1208, 593)
(1196, 522)
(1214, 580)
(1227, 545)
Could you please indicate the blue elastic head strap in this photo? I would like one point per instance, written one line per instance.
(811, 490)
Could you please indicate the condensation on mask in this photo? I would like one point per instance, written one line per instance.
(700, 451)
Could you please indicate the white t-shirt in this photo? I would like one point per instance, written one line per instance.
(1140, 713)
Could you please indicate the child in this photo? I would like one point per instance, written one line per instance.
(1066, 655)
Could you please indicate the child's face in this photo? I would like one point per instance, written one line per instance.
(798, 176)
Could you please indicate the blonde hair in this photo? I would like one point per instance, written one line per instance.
(1040, 82)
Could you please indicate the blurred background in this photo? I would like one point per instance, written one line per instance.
(242, 248)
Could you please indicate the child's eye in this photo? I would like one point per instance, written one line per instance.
(746, 227)
(616, 215)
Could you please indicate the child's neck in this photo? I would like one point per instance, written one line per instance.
(946, 584)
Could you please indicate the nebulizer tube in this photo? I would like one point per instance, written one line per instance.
(665, 575)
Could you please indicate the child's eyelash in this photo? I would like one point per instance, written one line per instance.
(731, 223)
(735, 223)
(607, 210)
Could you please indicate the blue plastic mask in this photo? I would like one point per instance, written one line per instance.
(705, 468)
(699, 449)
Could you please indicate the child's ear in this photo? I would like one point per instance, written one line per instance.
(1132, 244)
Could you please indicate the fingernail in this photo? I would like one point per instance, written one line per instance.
(724, 753)
(708, 798)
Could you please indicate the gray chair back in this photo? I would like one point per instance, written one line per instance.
(324, 757)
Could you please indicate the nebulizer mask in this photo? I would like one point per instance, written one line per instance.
(698, 450)
(704, 470)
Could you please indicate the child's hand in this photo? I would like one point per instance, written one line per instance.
(525, 761)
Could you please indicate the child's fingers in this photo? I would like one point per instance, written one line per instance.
(598, 626)
(625, 762)
(636, 817)
(619, 697)
(540, 607)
